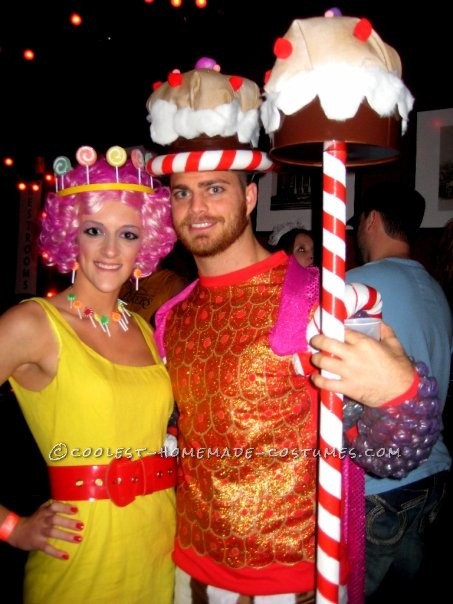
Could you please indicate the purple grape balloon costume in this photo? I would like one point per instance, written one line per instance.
(394, 439)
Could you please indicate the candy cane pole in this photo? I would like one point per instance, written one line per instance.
(331, 407)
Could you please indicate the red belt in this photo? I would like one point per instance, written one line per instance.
(121, 480)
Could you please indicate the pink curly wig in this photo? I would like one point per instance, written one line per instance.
(60, 222)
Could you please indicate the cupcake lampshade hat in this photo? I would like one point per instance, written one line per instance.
(335, 79)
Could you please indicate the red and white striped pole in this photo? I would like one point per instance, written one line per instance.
(331, 408)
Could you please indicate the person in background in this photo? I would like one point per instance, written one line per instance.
(173, 274)
(294, 239)
(246, 500)
(398, 514)
(95, 394)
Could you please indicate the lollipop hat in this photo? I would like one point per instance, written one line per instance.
(116, 157)
(335, 79)
(205, 120)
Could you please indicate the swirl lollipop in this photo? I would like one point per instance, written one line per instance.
(148, 157)
(86, 156)
(116, 156)
(138, 161)
(61, 165)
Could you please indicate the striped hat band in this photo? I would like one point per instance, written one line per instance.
(209, 161)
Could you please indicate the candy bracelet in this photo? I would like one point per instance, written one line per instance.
(8, 525)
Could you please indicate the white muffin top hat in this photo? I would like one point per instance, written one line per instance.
(335, 79)
(205, 120)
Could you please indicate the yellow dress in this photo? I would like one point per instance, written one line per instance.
(91, 410)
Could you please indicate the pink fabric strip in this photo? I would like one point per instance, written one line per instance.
(161, 316)
(353, 528)
(300, 293)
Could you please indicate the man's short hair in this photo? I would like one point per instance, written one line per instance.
(402, 208)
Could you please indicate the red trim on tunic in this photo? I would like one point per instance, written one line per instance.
(246, 273)
(274, 579)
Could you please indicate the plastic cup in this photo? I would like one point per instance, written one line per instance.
(370, 326)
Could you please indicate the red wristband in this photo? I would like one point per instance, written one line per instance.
(8, 525)
(411, 392)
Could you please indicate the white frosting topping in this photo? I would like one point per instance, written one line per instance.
(168, 122)
(341, 89)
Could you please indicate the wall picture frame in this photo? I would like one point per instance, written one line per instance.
(434, 165)
(296, 197)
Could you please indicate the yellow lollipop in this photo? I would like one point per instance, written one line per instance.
(116, 156)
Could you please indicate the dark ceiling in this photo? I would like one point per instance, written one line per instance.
(89, 84)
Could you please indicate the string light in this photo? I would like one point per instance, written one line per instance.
(75, 19)
(28, 54)
(178, 3)
(22, 186)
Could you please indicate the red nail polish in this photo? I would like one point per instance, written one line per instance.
(65, 556)
(80, 526)
(77, 538)
(74, 510)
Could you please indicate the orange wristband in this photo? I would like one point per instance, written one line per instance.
(8, 525)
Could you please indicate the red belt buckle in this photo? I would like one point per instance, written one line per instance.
(125, 479)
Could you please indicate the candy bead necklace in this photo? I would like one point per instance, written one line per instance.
(120, 315)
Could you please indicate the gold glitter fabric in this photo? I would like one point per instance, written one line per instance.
(247, 427)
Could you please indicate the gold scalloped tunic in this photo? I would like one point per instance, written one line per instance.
(95, 405)
(246, 500)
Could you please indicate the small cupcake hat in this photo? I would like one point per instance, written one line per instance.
(205, 120)
(335, 79)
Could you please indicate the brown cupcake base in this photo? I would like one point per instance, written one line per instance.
(370, 139)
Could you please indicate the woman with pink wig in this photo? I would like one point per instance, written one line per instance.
(95, 394)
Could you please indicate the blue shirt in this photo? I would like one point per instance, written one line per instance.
(415, 306)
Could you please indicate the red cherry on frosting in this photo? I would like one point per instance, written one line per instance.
(363, 30)
(157, 85)
(236, 82)
(282, 48)
(175, 79)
